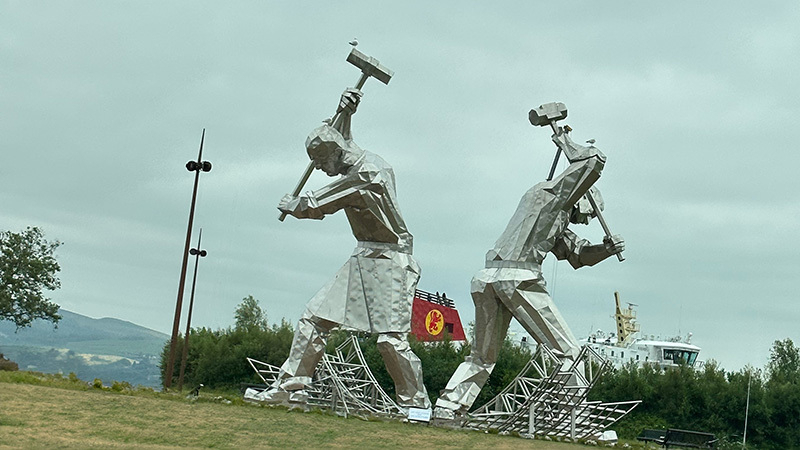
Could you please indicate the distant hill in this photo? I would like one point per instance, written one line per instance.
(109, 349)
(83, 334)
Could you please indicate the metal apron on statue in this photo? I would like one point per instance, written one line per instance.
(373, 291)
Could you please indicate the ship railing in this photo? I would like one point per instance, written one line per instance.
(439, 299)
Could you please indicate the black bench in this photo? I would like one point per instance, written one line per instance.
(650, 435)
(678, 438)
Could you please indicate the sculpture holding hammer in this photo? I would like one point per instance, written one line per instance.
(370, 67)
(512, 286)
(374, 290)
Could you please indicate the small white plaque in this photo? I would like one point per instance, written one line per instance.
(419, 414)
(609, 436)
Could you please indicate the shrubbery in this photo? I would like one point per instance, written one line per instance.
(713, 400)
(707, 399)
(217, 359)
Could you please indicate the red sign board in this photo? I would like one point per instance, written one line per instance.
(430, 320)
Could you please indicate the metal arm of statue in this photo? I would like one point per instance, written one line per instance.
(580, 252)
(353, 191)
(342, 192)
(575, 152)
(370, 67)
(348, 105)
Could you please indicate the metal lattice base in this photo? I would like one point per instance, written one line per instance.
(549, 399)
(342, 383)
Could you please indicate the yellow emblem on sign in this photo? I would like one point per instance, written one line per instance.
(434, 322)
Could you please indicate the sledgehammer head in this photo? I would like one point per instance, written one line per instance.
(547, 113)
(370, 66)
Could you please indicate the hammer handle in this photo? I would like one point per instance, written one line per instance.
(558, 152)
(300, 185)
(603, 223)
(362, 80)
(310, 168)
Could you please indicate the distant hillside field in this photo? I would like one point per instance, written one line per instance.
(83, 334)
(109, 349)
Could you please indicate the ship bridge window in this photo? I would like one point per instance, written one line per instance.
(680, 356)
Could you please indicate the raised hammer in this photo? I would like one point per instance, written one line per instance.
(370, 67)
(549, 114)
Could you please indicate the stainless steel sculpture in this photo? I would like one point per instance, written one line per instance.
(342, 383)
(512, 285)
(374, 290)
(370, 67)
(545, 401)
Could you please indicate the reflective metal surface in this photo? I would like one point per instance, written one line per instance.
(342, 383)
(374, 289)
(511, 284)
(545, 400)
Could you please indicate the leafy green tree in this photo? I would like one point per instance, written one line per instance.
(249, 315)
(735, 402)
(439, 360)
(784, 362)
(218, 358)
(27, 266)
(783, 394)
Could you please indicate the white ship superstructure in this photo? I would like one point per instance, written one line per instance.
(626, 345)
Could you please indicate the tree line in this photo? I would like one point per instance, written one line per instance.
(218, 358)
(706, 399)
(714, 400)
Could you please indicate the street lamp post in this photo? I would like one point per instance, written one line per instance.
(197, 167)
(197, 253)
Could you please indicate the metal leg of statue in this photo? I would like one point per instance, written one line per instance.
(307, 349)
(405, 368)
(535, 310)
(470, 376)
(308, 346)
(341, 383)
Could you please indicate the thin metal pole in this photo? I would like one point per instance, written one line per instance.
(179, 303)
(189, 317)
(746, 409)
(558, 152)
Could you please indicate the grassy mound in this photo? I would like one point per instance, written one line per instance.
(40, 411)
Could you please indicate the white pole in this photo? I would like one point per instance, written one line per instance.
(532, 421)
(746, 410)
(572, 419)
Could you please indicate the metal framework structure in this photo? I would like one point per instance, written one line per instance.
(342, 383)
(546, 399)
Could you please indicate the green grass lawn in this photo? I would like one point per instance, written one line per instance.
(46, 411)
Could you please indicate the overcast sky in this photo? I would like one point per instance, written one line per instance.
(695, 104)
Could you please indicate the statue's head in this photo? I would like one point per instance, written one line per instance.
(330, 152)
(582, 211)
